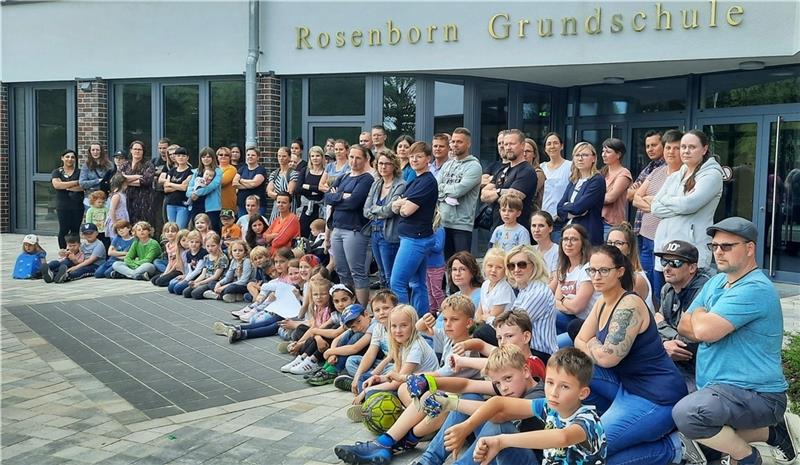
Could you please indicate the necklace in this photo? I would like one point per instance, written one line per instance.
(731, 283)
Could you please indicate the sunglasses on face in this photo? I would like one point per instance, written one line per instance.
(517, 265)
(674, 263)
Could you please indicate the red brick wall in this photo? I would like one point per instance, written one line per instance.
(5, 212)
(268, 119)
(92, 111)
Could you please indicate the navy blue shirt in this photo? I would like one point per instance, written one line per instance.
(348, 213)
(424, 192)
(260, 190)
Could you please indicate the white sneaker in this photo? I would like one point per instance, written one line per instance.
(247, 316)
(292, 364)
(230, 298)
(306, 366)
(209, 294)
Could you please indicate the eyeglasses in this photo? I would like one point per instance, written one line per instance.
(523, 265)
(570, 239)
(674, 263)
(384, 163)
(583, 155)
(603, 271)
(726, 247)
(616, 243)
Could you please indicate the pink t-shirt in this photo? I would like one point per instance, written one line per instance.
(615, 213)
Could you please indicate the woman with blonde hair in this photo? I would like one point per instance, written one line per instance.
(583, 199)
(313, 181)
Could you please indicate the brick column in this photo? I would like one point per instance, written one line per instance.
(268, 119)
(92, 111)
(5, 211)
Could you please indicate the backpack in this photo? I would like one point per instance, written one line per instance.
(26, 266)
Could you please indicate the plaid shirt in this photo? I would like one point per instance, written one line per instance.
(637, 224)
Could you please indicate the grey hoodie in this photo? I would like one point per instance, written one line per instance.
(461, 180)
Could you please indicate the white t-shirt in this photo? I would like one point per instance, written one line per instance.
(501, 294)
(649, 299)
(551, 258)
(554, 186)
(422, 354)
(569, 288)
(444, 367)
(507, 238)
(380, 338)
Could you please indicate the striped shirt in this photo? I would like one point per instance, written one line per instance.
(650, 222)
(537, 300)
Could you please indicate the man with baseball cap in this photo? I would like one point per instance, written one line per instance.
(737, 321)
(683, 281)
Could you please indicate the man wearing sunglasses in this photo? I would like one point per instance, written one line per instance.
(738, 322)
(683, 281)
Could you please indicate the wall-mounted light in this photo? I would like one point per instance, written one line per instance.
(86, 86)
(751, 65)
(614, 80)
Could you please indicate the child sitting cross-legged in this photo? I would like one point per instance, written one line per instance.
(288, 272)
(233, 286)
(120, 244)
(353, 341)
(169, 248)
(573, 434)
(259, 257)
(138, 263)
(175, 249)
(192, 259)
(324, 326)
(90, 254)
(206, 275)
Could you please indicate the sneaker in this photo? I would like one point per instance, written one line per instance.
(404, 444)
(231, 298)
(306, 366)
(247, 315)
(364, 453)
(283, 347)
(61, 274)
(692, 455)
(343, 382)
(209, 294)
(355, 413)
(114, 275)
(220, 328)
(47, 273)
(144, 276)
(297, 360)
(322, 378)
(312, 373)
(234, 335)
(785, 451)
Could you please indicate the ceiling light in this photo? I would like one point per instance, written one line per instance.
(751, 65)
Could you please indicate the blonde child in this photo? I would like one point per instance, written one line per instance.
(97, 213)
(192, 259)
(31, 260)
(252, 206)
(288, 271)
(175, 249)
(168, 242)
(202, 224)
(118, 249)
(138, 263)
(259, 257)
(496, 293)
(436, 266)
(118, 204)
(324, 325)
(205, 276)
(233, 286)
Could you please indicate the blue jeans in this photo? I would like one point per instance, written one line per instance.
(410, 270)
(562, 321)
(350, 249)
(104, 270)
(341, 360)
(436, 453)
(647, 259)
(178, 214)
(160, 264)
(637, 430)
(178, 287)
(384, 253)
(264, 328)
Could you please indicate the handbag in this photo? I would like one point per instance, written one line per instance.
(485, 217)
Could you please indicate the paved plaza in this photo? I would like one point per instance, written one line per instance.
(116, 372)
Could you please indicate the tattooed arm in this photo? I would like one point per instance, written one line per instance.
(625, 324)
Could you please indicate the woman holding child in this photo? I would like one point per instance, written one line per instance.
(635, 384)
(176, 182)
(210, 193)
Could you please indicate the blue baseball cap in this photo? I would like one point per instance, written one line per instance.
(351, 313)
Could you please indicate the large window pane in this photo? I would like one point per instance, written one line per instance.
(45, 218)
(763, 87)
(132, 114)
(494, 118)
(448, 106)
(332, 96)
(51, 128)
(399, 106)
(735, 145)
(294, 109)
(227, 113)
(634, 97)
(536, 113)
(782, 241)
(21, 175)
(181, 117)
(319, 134)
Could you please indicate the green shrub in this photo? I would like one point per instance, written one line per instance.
(791, 369)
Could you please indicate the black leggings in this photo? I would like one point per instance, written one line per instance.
(69, 224)
(163, 279)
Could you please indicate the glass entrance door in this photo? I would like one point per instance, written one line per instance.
(781, 256)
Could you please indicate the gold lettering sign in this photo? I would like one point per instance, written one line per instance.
(660, 16)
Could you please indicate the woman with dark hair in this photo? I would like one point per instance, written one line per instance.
(618, 179)
(210, 194)
(176, 183)
(416, 208)
(635, 384)
(401, 149)
(162, 164)
(313, 181)
(623, 238)
(574, 295)
(688, 199)
(282, 179)
(557, 171)
(250, 181)
(236, 154)
(69, 197)
(96, 172)
(541, 231)
(464, 272)
(378, 208)
(349, 238)
(582, 202)
(139, 174)
(296, 156)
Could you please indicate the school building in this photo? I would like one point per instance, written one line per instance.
(82, 71)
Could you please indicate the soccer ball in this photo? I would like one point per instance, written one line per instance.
(381, 410)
